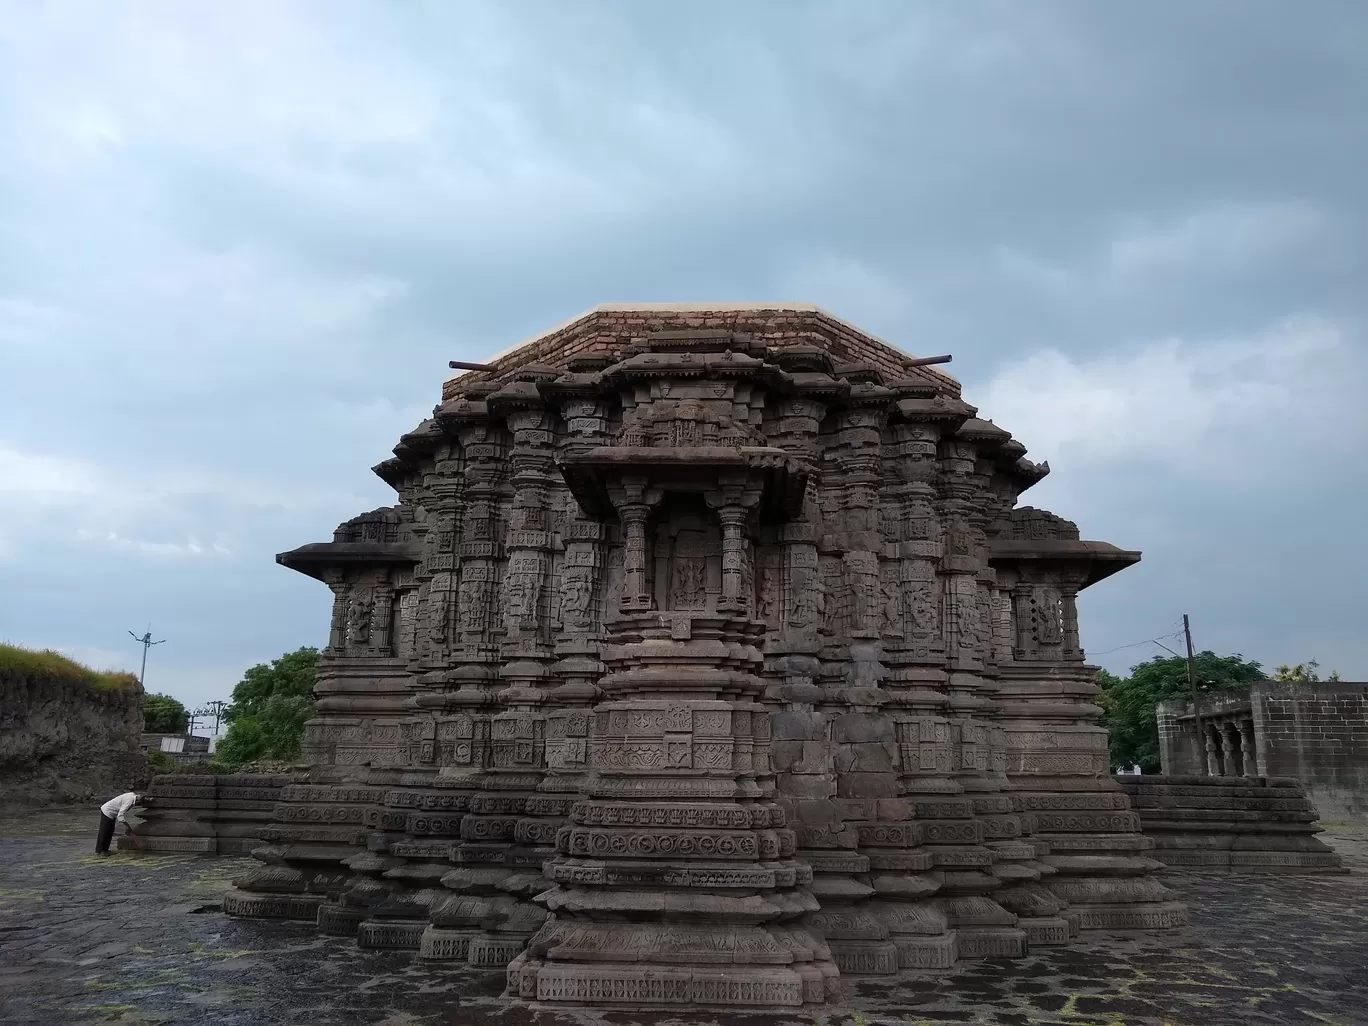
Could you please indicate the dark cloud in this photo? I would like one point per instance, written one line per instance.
(239, 244)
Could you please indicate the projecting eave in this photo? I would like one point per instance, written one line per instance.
(315, 558)
(1101, 558)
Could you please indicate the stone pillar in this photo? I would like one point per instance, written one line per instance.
(1230, 745)
(636, 596)
(1251, 767)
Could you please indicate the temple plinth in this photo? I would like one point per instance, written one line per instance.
(707, 655)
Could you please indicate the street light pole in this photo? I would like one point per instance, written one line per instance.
(146, 642)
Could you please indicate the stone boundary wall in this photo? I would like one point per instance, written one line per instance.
(206, 813)
(1230, 824)
(63, 739)
(1316, 732)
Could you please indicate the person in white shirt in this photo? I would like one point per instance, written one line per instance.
(114, 811)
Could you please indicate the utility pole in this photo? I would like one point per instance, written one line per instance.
(146, 642)
(1196, 707)
(214, 709)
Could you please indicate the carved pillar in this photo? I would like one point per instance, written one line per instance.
(733, 520)
(1251, 768)
(337, 626)
(636, 595)
(466, 702)
(983, 926)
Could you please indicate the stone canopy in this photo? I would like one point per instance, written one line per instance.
(706, 656)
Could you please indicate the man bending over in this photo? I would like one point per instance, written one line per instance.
(114, 811)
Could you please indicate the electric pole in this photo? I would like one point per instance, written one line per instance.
(214, 709)
(146, 642)
(1196, 707)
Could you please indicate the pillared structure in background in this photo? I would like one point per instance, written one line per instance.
(707, 655)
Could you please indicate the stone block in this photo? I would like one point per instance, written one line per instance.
(798, 756)
(867, 785)
(791, 725)
(866, 757)
(860, 727)
(805, 785)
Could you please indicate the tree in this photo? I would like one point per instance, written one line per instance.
(1303, 673)
(270, 704)
(162, 714)
(1128, 702)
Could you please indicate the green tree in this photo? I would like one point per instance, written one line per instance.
(270, 704)
(1128, 702)
(162, 714)
(1303, 673)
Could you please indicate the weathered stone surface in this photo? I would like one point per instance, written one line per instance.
(91, 940)
(208, 813)
(1230, 824)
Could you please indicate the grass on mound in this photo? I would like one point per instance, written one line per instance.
(18, 660)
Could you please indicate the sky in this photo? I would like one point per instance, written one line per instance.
(240, 242)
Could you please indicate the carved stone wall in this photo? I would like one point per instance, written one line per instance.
(706, 652)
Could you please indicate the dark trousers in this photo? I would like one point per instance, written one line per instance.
(106, 834)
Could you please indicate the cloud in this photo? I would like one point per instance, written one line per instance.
(239, 243)
(1223, 236)
(1178, 402)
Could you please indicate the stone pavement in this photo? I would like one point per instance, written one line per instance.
(139, 940)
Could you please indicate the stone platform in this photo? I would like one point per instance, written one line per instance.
(134, 940)
(205, 813)
(1231, 824)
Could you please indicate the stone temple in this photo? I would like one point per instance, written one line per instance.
(707, 657)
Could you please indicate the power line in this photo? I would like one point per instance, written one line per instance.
(1147, 641)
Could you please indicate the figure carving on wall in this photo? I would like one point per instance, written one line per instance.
(439, 617)
(862, 573)
(473, 601)
(809, 599)
(689, 590)
(612, 594)
(576, 594)
(1049, 616)
(892, 609)
(767, 599)
(688, 572)
(748, 578)
(924, 612)
(359, 616)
